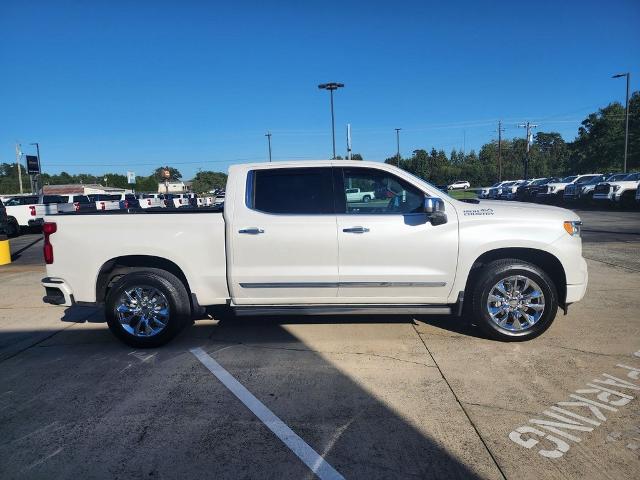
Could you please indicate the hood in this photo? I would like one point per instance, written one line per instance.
(558, 184)
(525, 210)
(622, 183)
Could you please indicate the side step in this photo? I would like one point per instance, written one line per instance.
(342, 310)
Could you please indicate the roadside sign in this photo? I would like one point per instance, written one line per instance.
(33, 165)
(131, 177)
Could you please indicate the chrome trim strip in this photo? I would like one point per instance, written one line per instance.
(341, 284)
(392, 284)
(343, 309)
(291, 285)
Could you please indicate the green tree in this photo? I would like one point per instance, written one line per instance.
(174, 174)
(206, 180)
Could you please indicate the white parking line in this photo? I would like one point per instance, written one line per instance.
(308, 455)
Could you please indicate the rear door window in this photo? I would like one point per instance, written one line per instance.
(294, 191)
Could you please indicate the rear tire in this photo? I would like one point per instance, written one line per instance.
(146, 309)
(366, 199)
(13, 229)
(526, 311)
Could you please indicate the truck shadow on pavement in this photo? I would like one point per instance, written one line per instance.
(83, 403)
(458, 325)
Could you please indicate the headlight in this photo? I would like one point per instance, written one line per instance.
(616, 188)
(552, 189)
(573, 227)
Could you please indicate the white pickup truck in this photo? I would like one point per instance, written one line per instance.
(357, 195)
(27, 211)
(290, 242)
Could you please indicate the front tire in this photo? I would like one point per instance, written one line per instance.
(366, 199)
(513, 300)
(146, 309)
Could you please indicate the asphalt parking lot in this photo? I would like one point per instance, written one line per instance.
(375, 397)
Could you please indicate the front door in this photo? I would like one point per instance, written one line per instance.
(388, 250)
(284, 245)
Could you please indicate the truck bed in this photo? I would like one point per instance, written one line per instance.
(194, 239)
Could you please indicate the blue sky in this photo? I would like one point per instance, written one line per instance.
(129, 85)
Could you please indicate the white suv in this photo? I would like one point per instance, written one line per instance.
(459, 185)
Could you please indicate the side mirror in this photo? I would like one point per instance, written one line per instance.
(433, 205)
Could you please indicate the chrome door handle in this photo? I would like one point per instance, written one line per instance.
(355, 230)
(251, 231)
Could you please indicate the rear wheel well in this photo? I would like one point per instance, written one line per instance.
(116, 268)
(544, 260)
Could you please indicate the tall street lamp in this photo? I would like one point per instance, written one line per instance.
(626, 121)
(398, 144)
(268, 135)
(331, 87)
(37, 181)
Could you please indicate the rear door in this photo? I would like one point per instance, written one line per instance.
(388, 250)
(284, 248)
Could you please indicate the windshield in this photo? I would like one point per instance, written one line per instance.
(568, 179)
(588, 179)
(540, 181)
(418, 179)
(616, 177)
(633, 176)
(21, 201)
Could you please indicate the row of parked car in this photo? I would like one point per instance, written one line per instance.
(620, 189)
(27, 211)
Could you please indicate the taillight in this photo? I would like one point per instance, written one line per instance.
(101, 205)
(48, 228)
(126, 204)
(33, 210)
(77, 206)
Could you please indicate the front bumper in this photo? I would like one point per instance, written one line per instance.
(576, 291)
(57, 292)
(604, 197)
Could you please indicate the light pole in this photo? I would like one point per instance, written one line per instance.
(331, 87)
(398, 144)
(626, 120)
(37, 182)
(268, 135)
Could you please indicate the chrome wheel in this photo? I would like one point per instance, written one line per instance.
(515, 303)
(142, 311)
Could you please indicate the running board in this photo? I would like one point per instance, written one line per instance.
(342, 310)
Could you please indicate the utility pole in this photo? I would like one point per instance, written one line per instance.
(528, 126)
(626, 121)
(464, 142)
(268, 135)
(500, 130)
(331, 87)
(18, 158)
(398, 144)
(348, 141)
